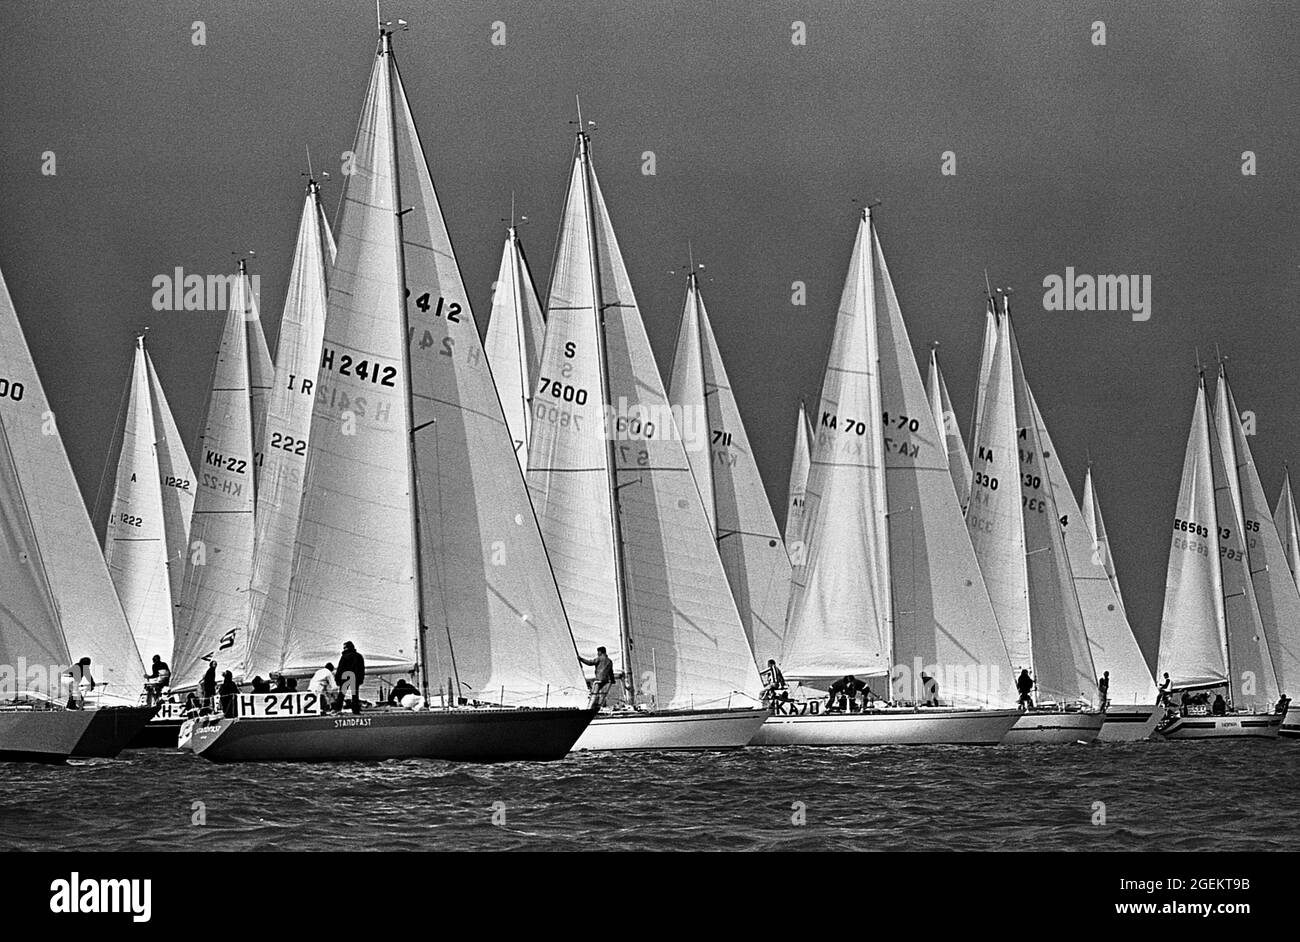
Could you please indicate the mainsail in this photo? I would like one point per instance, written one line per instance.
(1275, 591)
(799, 464)
(840, 616)
(1092, 518)
(624, 523)
(59, 602)
(214, 599)
(135, 538)
(288, 433)
(1288, 525)
(946, 420)
(514, 341)
(753, 553)
(987, 351)
(424, 552)
(1193, 633)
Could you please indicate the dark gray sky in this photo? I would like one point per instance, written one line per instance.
(1117, 159)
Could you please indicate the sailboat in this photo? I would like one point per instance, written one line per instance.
(1275, 588)
(753, 553)
(59, 604)
(1210, 629)
(799, 464)
(625, 526)
(416, 537)
(890, 587)
(1288, 530)
(1132, 713)
(1016, 531)
(514, 341)
(146, 540)
(288, 433)
(946, 419)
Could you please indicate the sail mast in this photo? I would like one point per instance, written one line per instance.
(611, 455)
(1214, 509)
(386, 49)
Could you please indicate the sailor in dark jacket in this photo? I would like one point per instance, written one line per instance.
(208, 686)
(351, 674)
(229, 691)
(604, 676)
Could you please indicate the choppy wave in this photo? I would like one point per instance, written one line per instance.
(1112, 796)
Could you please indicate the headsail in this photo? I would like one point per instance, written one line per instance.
(135, 538)
(1092, 518)
(753, 553)
(179, 487)
(840, 616)
(946, 421)
(944, 623)
(59, 598)
(213, 620)
(987, 351)
(644, 553)
(1062, 657)
(799, 464)
(1275, 589)
(1254, 682)
(514, 341)
(1288, 525)
(1193, 632)
(1114, 646)
(288, 435)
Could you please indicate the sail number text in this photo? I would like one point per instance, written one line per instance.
(9, 390)
(364, 370)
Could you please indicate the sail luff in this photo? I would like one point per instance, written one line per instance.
(688, 392)
(261, 371)
(1092, 517)
(179, 488)
(987, 351)
(946, 421)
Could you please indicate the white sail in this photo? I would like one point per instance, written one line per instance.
(1275, 589)
(330, 247)
(655, 566)
(135, 538)
(995, 515)
(1062, 657)
(59, 598)
(492, 609)
(514, 341)
(288, 433)
(1254, 682)
(179, 486)
(944, 623)
(799, 464)
(946, 421)
(753, 553)
(213, 619)
(987, 352)
(1092, 518)
(1288, 525)
(840, 614)
(261, 371)
(1114, 646)
(1193, 633)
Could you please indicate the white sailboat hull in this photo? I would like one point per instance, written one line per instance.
(902, 727)
(1291, 724)
(1130, 722)
(671, 729)
(1235, 726)
(1049, 727)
